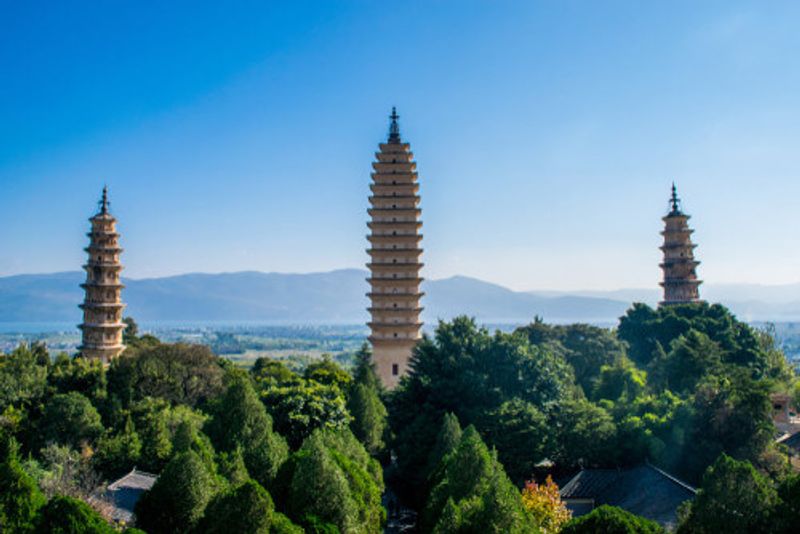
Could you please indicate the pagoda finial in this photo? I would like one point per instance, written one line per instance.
(394, 128)
(104, 201)
(674, 201)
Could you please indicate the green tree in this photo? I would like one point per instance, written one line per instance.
(177, 500)
(786, 516)
(178, 373)
(232, 467)
(117, 453)
(586, 435)
(693, 355)
(240, 420)
(620, 381)
(644, 329)
(20, 498)
(474, 494)
(247, 508)
(364, 369)
(81, 375)
(732, 414)
(67, 515)
(23, 378)
(151, 420)
(446, 442)
(611, 520)
(520, 433)
(300, 407)
(369, 417)
(734, 498)
(70, 419)
(470, 373)
(334, 481)
(328, 372)
(587, 348)
(283, 525)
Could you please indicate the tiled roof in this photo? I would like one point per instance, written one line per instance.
(644, 490)
(793, 441)
(125, 492)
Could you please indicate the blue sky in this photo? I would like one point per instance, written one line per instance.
(239, 135)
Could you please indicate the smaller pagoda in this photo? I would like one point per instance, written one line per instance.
(102, 305)
(680, 268)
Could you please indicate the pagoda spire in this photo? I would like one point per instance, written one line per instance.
(102, 306)
(395, 253)
(104, 201)
(674, 201)
(680, 268)
(394, 127)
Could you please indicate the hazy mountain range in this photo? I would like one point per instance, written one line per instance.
(337, 297)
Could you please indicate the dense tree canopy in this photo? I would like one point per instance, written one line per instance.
(473, 493)
(178, 499)
(734, 498)
(611, 520)
(332, 480)
(469, 372)
(177, 373)
(281, 449)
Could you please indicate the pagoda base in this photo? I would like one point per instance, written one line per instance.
(391, 359)
(104, 354)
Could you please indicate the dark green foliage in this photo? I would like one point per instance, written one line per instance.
(178, 373)
(585, 435)
(691, 357)
(474, 494)
(644, 329)
(23, 377)
(611, 520)
(20, 498)
(79, 375)
(248, 508)
(446, 442)
(520, 433)
(283, 525)
(786, 517)
(65, 515)
(232, 467)
(587, 348)
(369, 417)
(240, 421)
(364, 369)
(70, 419)
(299, 409)
(620, 381)
(335, 481)
(328, 372)
(732, 414)
(301, 405)
(734, 498)
(132, 339)
(177, 500)
(151, 420)
(269, 372)
(118, 453)
(469, 372)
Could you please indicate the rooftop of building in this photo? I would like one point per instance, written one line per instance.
(124, 493)
(644, 490)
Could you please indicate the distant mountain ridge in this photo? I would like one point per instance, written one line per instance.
(338, 297)
(335, 297)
